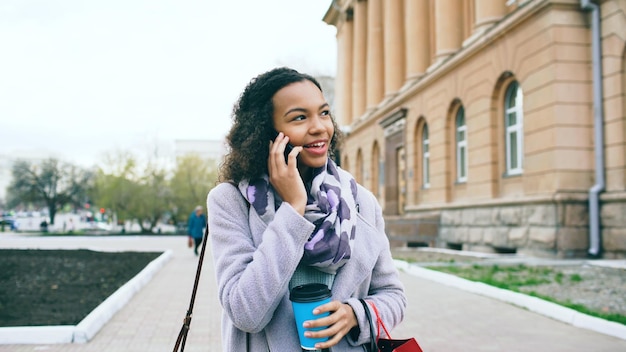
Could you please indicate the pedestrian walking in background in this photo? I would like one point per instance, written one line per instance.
(15, 226)
(43, 225)
(285, 214)
(195, 228)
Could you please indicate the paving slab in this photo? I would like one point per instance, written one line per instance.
(441, 317)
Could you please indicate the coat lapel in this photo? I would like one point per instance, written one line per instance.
(359, 268)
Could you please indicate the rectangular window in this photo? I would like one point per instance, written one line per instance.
(462, 165)
(513, 155)
(425, 158)
(426, 163)
(426, 170)
(461, 153)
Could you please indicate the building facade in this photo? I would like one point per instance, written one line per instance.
(490, 125)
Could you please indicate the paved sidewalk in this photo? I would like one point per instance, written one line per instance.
(442, 318)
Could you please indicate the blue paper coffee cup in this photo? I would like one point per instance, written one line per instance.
(304, 299)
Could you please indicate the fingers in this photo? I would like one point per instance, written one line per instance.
(283, 176)
(339, 322)
(277, 164)
(293, 154)
(277, 150)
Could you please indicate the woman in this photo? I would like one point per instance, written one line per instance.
(195, 228)
(279, 220)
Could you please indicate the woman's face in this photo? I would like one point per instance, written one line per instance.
(302, 114)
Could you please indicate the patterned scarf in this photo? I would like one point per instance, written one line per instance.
(331, 207)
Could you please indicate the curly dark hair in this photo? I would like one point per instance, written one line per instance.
(253, 125)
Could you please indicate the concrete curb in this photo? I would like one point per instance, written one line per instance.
(93, 322)
(537, 305)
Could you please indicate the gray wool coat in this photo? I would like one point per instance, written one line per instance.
(255, 261)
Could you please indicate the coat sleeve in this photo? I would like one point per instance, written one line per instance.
(387, 291)
(253, 276)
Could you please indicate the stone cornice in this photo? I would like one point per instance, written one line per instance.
(471, 48)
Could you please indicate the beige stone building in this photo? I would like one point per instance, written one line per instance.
(490, 125)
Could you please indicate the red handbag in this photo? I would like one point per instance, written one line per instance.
(386, 344)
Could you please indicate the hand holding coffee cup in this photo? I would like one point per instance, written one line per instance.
(304, 299)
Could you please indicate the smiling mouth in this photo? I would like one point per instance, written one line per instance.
(315, 145)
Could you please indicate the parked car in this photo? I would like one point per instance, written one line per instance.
(7, 221)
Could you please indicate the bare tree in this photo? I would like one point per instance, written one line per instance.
(52, 183)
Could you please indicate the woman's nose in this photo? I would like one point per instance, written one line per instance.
(317, 125)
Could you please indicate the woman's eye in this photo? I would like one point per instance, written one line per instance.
(299, 118)
(325, 112)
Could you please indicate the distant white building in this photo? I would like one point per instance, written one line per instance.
(328, 87)
(204, 148)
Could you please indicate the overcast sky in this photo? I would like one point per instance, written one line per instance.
(80, 78)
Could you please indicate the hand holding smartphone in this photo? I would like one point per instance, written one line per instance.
(286, 183)
(288, 147)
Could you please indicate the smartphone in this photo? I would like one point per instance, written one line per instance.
(288, 147)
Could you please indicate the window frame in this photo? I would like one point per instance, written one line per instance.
(461, 146)
(425, 157)
(514, 92)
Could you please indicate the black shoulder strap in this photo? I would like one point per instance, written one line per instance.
(182, 335)
(373, 347)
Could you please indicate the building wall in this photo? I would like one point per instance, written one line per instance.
(613, 27)
(468, 58)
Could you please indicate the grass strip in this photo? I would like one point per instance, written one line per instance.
(516, 277)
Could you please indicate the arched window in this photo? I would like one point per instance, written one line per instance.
(359, 168)
(425, 157)
(346, 164)
(461, 146)
(514, 133)
(376, 177)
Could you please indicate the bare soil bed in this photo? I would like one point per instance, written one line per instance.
(61, 287)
